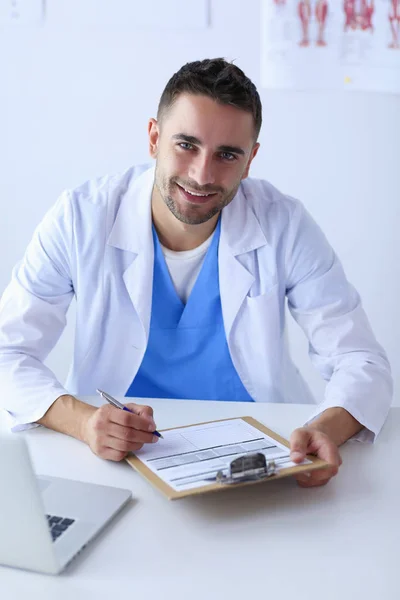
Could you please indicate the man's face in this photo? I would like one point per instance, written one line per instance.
(203, 150)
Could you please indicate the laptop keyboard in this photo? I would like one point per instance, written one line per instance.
(58, 525)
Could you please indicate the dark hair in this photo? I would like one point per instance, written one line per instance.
(222, 81)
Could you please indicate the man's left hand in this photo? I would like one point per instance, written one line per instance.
(307, 440)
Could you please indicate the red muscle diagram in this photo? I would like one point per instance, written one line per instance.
(305, 12)
(331, 44)
(321, 13)
(358, 15)
(394, 20)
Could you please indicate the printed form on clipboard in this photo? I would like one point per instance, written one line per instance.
(199, 458)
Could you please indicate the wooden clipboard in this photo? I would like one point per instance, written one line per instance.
(172, 494)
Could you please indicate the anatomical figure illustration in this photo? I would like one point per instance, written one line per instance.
(358, 15)
(305, 12)
(394, 20)
(321, 12)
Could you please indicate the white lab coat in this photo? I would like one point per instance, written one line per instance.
(96, 243)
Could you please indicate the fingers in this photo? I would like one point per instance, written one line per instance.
(124, 446)
(311, 482)
(110, 454)
(113, 448)
(141, 410)
(307, 440)
(315, 478)
(299, 443)
(111, 432)
(328, 451)
(129, 435)
(142, 422)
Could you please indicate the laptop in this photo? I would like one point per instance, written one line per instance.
(45, 522)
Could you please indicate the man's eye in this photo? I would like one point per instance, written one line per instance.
(228, 156)
(185, 145)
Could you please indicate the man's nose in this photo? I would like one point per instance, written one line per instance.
(202, 171)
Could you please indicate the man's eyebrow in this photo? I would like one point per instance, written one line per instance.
(191, 139)
(231, 149)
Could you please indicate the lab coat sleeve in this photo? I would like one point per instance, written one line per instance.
(342, 345)
(32, 317)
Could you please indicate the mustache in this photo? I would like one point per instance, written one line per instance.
(191, 185)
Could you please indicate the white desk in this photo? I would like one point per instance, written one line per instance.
(276, 540)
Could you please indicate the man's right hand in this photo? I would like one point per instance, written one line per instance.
(112, 433)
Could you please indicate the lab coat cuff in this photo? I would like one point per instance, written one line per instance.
(27, 419)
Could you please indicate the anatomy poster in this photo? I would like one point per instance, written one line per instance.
(331, 44)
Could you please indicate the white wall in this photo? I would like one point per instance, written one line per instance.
(75, 104)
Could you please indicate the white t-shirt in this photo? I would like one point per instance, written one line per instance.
(185, 266)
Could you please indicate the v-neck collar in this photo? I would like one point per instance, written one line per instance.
(205, 288)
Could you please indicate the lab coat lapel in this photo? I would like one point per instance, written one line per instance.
(240, 234)
(132, 232)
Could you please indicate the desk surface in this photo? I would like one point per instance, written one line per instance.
(338, 542)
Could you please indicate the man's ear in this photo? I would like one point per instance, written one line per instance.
(252, 155)
(154, 134)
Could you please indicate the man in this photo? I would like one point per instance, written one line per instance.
(180, 275)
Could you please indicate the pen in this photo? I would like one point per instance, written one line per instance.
(117, 404)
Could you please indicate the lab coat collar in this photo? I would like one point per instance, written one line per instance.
(132, 231)
(240, 229)
(132, 227)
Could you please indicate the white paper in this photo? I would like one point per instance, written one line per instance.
(21, 13)
(189, 457)
(125, 15)
(331, 44)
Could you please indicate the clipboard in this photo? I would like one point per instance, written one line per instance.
(220, 485)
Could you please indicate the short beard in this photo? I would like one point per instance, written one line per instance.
(164, 183)
(193, 220)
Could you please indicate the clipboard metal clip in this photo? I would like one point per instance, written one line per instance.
(250, 467)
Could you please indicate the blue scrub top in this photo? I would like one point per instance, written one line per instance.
(187, 355)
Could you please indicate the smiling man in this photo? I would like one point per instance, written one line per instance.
(196, 177)
(181, 273)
